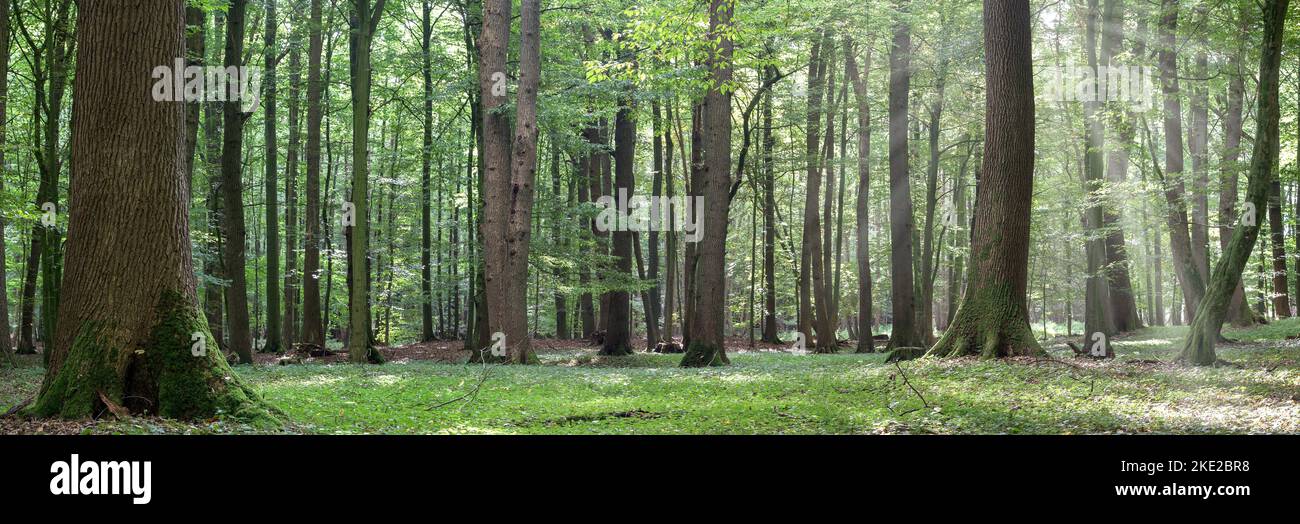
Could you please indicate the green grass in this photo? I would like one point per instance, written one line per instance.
(576, 392)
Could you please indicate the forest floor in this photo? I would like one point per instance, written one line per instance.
(425, 389)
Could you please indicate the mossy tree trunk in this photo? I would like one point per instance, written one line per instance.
(708, 317)
(130, 332)
(1198, 348)
(993, 320)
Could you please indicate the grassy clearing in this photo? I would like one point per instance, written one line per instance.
(577, 392)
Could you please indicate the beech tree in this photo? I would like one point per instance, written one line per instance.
(1198, 348)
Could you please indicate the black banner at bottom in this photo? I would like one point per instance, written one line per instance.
(312, 474)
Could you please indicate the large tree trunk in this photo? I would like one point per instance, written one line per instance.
(863, 255)
(232, 199)
(993, 320)
(511, 170)
(131, 334)
(904, 333)
(270, 191)
(313, 331)
(618, 318)
(1199, 347)
(708, 316)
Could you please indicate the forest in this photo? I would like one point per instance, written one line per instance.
(657, 217)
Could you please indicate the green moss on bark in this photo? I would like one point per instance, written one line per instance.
(700, 354)
(163, 377)
(990, 324)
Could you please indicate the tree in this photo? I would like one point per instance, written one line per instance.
(271, 192)
(1189, 277)
(1098, 327)
(313, 331)
(5, 335)
(865, 343)
(131, 335)
(232, 194)
(993, 320)
(707, 318)
(363, 23)
(291, 275)
(1198, 348)
(426, 161)
(511, 170)
(904, 333)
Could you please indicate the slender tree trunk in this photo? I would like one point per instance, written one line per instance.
(271, 191)
(426, 159)
(1185, 267)
(993, 320)
(291, 246)
(1097, 328)
(1199, 347)
(6, 343)
(232, 202)
(904, 333)
(863, 255)
(313, 331)
(618, 336)
(364, 20)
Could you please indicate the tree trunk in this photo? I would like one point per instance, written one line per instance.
(993, 320)
(291, 275)
(618, 336)
(313, 331)
(270, 192)
(426, 159)
(708, 316)
(904, 333)
(1123, 305)
(1097, 328)
(863, 255)
(1281, 302)
(1199, 347)
(233, 189)
(1185, 268)
(6, 344)
(510, 173)
(364, 20)
(131, 334)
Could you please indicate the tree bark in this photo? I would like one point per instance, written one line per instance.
(1198, 348)
(232, 199)
(904, 333)
(130, 331)
(993, 320)
(360, 348)
(863, 207)
(708, 316)
(313, 331)
(271, 191)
